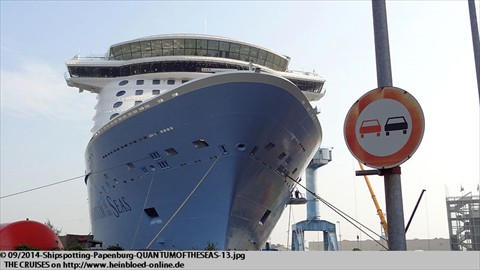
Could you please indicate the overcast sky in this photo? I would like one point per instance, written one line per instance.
(45, 125)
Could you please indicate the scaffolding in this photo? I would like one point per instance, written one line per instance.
(464, 222)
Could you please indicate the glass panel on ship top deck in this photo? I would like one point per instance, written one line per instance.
(198, 47)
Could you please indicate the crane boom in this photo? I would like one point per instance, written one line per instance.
(374, 198)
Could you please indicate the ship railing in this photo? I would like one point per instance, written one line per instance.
(305, 73)
(92, 57)
(467, 196)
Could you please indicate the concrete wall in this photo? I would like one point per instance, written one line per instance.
(369, 245)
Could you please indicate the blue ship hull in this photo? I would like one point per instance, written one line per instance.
(209, 163)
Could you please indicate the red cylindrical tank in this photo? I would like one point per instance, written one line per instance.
(28, 232)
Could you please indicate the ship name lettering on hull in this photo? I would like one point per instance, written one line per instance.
(119, 205)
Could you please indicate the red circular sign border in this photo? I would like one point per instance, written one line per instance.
(399, 157)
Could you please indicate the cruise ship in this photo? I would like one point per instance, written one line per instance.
(197, 143)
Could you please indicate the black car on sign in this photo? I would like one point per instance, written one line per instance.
(396, 123)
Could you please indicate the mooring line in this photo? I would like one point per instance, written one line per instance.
(141, 212)
(183, 203)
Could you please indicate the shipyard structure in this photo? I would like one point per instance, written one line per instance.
(464, 222)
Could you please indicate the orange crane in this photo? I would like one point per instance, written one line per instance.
(374, 198)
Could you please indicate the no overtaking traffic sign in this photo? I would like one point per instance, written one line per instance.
(384, 127)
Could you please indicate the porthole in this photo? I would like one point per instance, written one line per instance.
(200, 143)
(241, 147)
(140, 82)
(138, 92)
(123, 82)
(156, 82)
(171, 151)
(121, 93)
(113, 116)
(171, 82)
(117, 104)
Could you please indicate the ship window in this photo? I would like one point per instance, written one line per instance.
(156, 82)
(130, 166)
(171, 151)
(264, 217)
(253, 52)
(262, 55)
(287, 161)
(294, 171)
(121, 93)
(170, 82)
(164, 165)
(212, 53)
(281, 156)
(184, 81)
(190, 43)
(178, 47)
(224, 46)
(200, 143)
(189, 51)
(201, 52)
(235, 48)
(156, 92)
(269, 146)
(213, 45)
(138, 92)
(151, 212)
(244, 49)
(140, 82)
(146, 46)
(137, 102)
(113, 116)
(155, 155)
(145, 170)
(146, 68)
(254, 150)
(202, 43)
(123, 82)
(117, 104)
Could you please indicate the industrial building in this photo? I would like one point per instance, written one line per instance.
(464, 222)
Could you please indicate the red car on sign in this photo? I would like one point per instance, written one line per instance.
(370, 126)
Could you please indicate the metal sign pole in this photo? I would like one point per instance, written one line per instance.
(475, 40)
(393, 187)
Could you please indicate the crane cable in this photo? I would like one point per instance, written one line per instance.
(342, 214)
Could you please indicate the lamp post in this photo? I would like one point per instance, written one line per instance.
(339, 236)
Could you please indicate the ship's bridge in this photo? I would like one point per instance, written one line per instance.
(198, 45)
